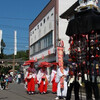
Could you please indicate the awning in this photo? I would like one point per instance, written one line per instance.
(84, 22)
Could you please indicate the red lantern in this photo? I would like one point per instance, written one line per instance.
(69, 60)
(92, 31)
(96, 41)
(42, 56)
(62, 43)
(87, 41)
(76, 50)
(84, 62)
(49, 52)
(36, 59)
(97, 72)
(96, 56)
(83, 35)
(72, 42)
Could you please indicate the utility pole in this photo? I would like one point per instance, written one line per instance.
(56, 37)
(15, 51)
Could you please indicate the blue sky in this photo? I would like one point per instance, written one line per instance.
(17, 15)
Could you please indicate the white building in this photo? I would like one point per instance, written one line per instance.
(46, 29)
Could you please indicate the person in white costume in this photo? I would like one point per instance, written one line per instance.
(31, 79)
(42, 78)
(53, 79)
(61, 93)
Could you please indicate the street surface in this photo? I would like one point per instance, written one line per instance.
(17, 92)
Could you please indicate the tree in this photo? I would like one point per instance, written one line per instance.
(24, 55)
(3, 45)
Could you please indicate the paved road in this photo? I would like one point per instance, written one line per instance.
(17, 92)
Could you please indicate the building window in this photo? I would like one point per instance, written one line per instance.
(39, 45)
(38, 26)
(52, 14)
(48, 18)
(33, 48)
(44, 21)
(49, 39)
(41, 24)
(43, 43)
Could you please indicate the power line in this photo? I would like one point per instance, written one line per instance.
(17, 48)
(12, 36)
(14, 27)
(17, 38)
(13, 18)
(17, 43)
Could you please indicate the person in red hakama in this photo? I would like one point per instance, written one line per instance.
(53, 77)
(42, 79)
(31, 79)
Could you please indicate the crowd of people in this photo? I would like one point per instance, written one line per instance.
(62, 82)
(5, 79)
(42, 78)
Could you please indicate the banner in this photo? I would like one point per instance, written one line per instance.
(60, 56)
(60, 61)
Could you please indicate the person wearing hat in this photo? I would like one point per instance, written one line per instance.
(62, 86)
(53, 79)
(75, 81)
(31, 79)
(42, 78)
(91, 82)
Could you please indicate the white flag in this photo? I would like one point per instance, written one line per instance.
(0, 39)
(15, 43)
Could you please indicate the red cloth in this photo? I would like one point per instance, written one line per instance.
(45, 64)
(62, 78)
(31, 81)
(54, 86)
(42, 87)
(31, 85)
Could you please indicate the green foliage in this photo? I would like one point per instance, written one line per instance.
(24, 55)
(4, 69)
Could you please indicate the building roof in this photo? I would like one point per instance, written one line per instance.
(42, 14)
(70, 11)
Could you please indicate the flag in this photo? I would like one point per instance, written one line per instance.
(15, 43)
(0, 39)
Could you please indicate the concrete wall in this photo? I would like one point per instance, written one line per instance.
(63, 6)
(40, 31)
